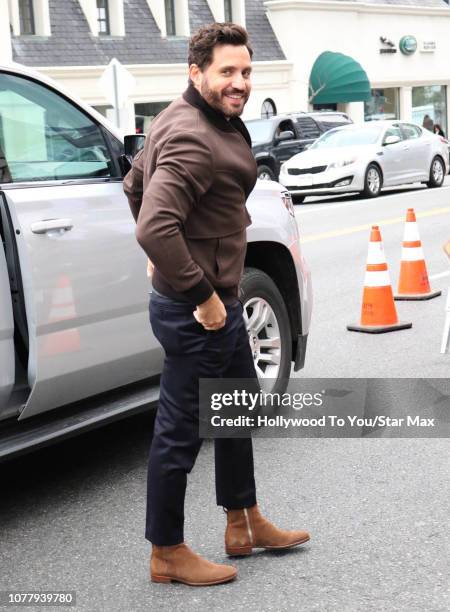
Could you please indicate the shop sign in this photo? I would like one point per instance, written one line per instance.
(428, 46)
(389, 46)
(408, 45)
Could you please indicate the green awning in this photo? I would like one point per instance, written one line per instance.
(337, 78)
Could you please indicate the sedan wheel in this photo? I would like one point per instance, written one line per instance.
(373, 182)
(268, 328)
(265, 173)
(437, 173)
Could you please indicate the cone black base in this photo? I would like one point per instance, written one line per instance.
(379, 329)
(414, 297)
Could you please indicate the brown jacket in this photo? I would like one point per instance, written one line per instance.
(187, 191)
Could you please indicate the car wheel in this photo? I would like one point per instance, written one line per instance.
(266, 174)
(372, 182)
(268, 328)
(298, 199)
(437, 173)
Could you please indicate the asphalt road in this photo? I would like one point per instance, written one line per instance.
(334, 236)
(72, 516)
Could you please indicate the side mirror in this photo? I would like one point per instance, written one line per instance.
(132, 144)
(390, 140)
(287, 135)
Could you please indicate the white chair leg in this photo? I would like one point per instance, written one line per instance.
(446, 334)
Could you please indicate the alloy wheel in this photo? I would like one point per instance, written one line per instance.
(264, 337)
(373, 180)
(438, 172)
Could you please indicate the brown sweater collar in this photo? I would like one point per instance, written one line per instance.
(218, 119)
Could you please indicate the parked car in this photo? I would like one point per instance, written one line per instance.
(365, 158)
(278, 138)
(76, 348)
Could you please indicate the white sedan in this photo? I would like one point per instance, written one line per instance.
(365, 158)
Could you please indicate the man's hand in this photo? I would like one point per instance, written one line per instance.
(150, 268)
(212, 313)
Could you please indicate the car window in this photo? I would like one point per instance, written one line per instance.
(411, 131)
(394, 130)
(260, 130)
(285, 126)
(44, 137)
(343, 137)
(327, 122)
(307, 127)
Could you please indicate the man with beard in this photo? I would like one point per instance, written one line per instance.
(187, 191)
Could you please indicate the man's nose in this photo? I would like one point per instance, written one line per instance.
(238, 82)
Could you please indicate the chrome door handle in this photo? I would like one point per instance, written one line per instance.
(47, 225)
(405, 148)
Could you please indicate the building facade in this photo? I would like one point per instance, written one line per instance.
(72, 41)
(402, 46)
(372, 58)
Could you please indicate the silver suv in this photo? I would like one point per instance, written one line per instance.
(76, 348)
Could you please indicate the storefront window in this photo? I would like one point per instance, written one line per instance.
(145, 113)
(382, 105)
(429, 106)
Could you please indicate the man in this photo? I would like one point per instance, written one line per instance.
(187, 191)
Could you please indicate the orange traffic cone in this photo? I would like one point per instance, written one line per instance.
(378, 313)
(65, 339)
(413, 283)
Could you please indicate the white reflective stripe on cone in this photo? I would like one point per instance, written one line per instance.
(377, 279)
(376, 253)
(411, 232)
(412, 254)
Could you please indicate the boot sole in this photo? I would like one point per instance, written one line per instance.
(168, 579)
(241, 551)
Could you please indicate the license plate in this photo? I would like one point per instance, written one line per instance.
(305, 180)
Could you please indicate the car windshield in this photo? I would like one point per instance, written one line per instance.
(260, 131)
(348, 137)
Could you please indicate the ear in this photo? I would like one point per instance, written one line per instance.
(195, 74)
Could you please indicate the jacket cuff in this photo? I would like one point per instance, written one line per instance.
(200, 292)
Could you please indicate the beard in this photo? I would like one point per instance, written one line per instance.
(214, 99)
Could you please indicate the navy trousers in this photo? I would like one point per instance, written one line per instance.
(191, 352)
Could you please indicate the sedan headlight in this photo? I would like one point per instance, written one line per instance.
(342, 163)
(287, 201)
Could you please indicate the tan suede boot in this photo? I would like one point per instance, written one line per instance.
(248, 529)
(181, 564)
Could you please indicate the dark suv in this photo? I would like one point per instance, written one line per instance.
(277, 139)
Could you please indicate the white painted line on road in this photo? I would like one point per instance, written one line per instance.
(322, 206)
(440, 275)
(329, 207)
(367, 226)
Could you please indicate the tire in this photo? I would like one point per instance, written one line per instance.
(437, 173)
(372, 185)
(298, 199)
(259, 292)
(265, 173)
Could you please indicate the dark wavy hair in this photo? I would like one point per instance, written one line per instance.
(202, 43)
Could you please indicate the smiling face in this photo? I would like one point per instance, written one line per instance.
(225, 84)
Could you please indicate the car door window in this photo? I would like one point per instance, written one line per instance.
(44, 137)
(411, 132)
(307, 128)
(393, 131)
(285, 126)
